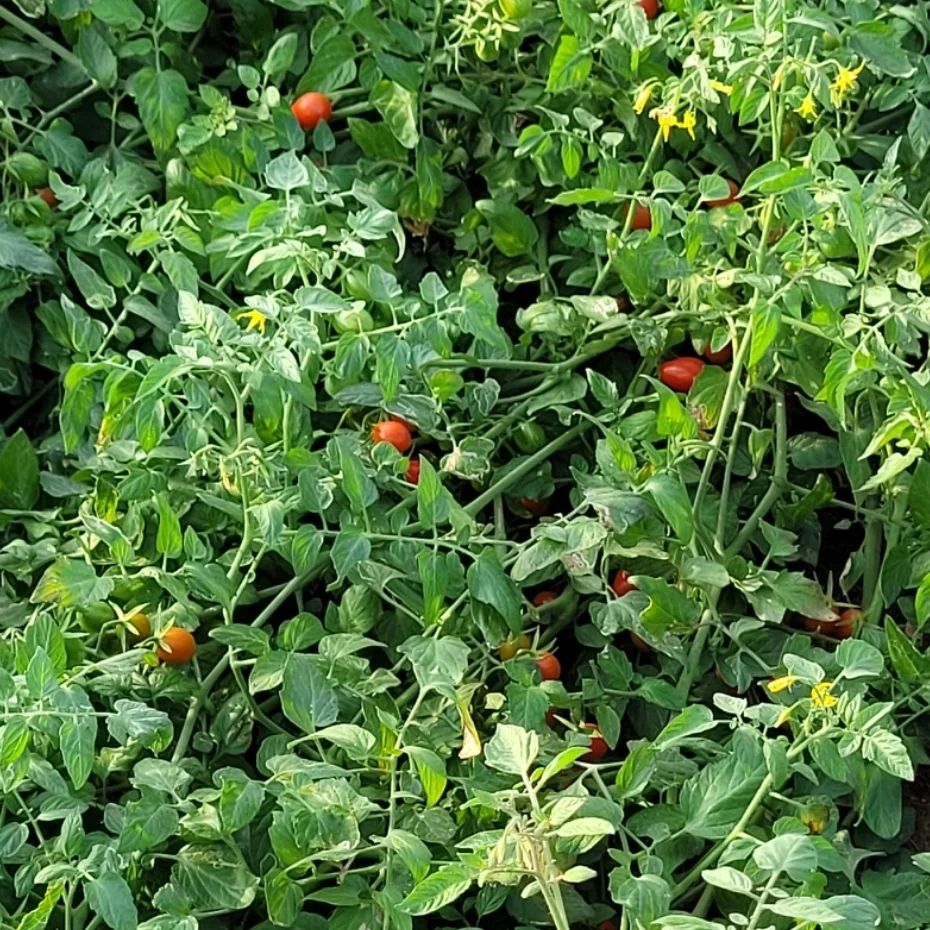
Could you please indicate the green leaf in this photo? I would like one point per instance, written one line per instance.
(570, 66)
(182, 15)
(888, 752)
(714, 799)
(438, 663)
(76, 739)
(19, 473)
(307, 697)
(438, 890)
(96, 55)
(71, 583)
(634, 775)
(162, 98)
(692, 720)
(398, 108)
(512, 231)
(17, 253)
(413, 852)
(840, 912)
(169, 540)
(111, 899)
(489, 584)
(355, 741)
(38, 917)
(793, 853)
(14, 739)
(431, 771)
(511, 749)
(332, 66)
(214, 877)
(673, 502)
(858, 659)
(910, 665)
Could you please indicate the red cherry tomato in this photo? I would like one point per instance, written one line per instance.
(48, 195)
(622, 584)
(551, 718)
(550, 669)
(720, 356)
(535, 507)
(841, 628)
(639, 643)
(680, 373)
(392, 432)
(642, 218)
(650, 8)
(598, 745)
(176, 646)
(732, 197)
(413, 471)
(544, 597)
(311, 109)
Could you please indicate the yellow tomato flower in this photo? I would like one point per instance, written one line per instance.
(665, 117)
(821, 696)
(721, 88)
(257, 320)
(843, 83)
(643, 97)
(781, 684)
(807, 107)
(688, 122)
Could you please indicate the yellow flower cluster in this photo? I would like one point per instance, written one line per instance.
(843, 83)
(257, 320)
(669, 120)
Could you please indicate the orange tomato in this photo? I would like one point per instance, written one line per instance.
(413, 471)
(393, 433)
(535, 507)
(732, 197)
(176, 646)
(650, 8)
(544, 597)
(841, 628)
(48, 195)
(550, 669)
(311, 109)
(599, 746)
(622, 584)
(642, 218)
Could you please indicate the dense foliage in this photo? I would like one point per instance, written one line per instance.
(620, 619)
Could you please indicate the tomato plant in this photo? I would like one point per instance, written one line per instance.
(265, 662)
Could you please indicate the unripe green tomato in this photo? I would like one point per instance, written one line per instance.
(353, 321)
(529, 437)
(516, 9)
(29, 169)
(75, 650)
(830, 41)
(836, 243)
(356, 285)
(94, 617)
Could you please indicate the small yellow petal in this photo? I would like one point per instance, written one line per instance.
(643, 97)
(781, 684)
(721, 88)
(807, 108)
(256, 320)
(821, 696)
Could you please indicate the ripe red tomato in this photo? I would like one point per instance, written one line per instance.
(544, 597)
(732, 197)
(598, 745)
(842, 628)
(392, 432)
(536, 508)
(510, 647)
(549, 667)
(311, 109)
(48, 195)
(642, 218)
(679, 373)
(551, 718)
(650, 8)
(720, 356)
(413, 471)
(622, 584)
(639, 643)
(176, 646)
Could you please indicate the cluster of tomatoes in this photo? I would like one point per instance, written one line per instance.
(399, 434)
